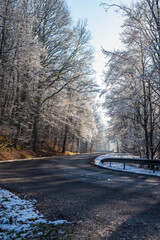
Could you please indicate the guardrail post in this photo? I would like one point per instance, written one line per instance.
(124, 165)
(139, 161)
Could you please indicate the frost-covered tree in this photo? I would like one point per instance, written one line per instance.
(132, 81)
(46, 77)
(20, 65)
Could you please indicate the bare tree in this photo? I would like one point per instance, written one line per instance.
(132, 80)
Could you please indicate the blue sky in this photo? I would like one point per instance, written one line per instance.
(104, 27)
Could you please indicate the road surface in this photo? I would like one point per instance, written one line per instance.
(105, 204)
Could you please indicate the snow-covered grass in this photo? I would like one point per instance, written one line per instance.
(119, 166)
(19, 218)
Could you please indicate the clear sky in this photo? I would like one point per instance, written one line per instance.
(104, 27)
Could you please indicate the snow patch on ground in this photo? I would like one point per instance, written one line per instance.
(19, 218)
(119, 166)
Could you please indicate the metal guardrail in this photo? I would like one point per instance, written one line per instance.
(149, 162)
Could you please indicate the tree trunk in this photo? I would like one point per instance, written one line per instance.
(91, 147)
(55, 140)
(86, 148)
(117, 146)
(72, 147)
(65, 139)
(35, 134)
(17, 135)
(78, 145)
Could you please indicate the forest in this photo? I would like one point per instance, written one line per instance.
(132, 80)
(47, 85)
(48, 90)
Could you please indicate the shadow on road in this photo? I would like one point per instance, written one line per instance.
(112, 205)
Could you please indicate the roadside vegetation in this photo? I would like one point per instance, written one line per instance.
(132, 78)
(47, 85)
(9, 152)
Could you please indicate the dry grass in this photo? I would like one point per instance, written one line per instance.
(9, 153)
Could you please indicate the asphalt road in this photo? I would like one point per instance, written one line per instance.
(105, 204)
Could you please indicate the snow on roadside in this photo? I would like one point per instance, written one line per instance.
(119, 166)
(19, 219)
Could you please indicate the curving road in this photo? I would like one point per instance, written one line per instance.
(105, 204)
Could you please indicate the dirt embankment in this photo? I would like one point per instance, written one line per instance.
(12, 153)
(9, 152)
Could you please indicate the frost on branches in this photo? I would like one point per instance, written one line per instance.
(132, 94)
